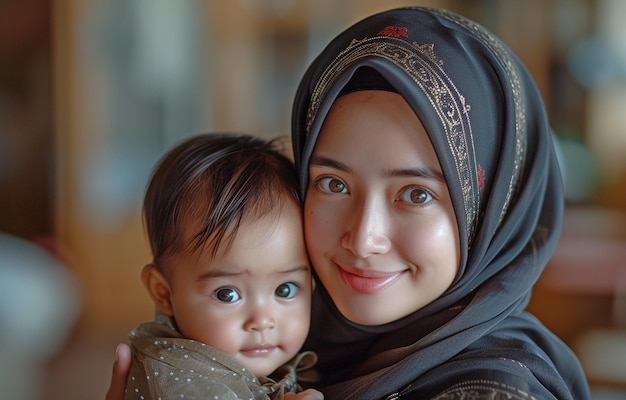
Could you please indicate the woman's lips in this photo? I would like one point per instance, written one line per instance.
(368, 282)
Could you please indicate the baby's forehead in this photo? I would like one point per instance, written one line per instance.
(205, 232)
(253, 272)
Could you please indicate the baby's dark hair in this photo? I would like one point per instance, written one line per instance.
(209, 182)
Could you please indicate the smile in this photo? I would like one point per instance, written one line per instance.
(368, 282)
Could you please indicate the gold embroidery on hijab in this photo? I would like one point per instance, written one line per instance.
(503, 56)
(442, 94)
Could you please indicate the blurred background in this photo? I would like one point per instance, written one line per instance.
(93, 91)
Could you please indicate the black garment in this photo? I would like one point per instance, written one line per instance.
(487, 123)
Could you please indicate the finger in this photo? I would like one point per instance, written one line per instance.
(121, 368)
(312, 394)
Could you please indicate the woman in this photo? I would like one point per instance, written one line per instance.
(433, 201)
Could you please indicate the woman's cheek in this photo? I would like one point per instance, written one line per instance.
(321, 225)
(314, 222)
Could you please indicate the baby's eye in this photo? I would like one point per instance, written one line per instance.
(227, 295)
(331, 184)
(286, 290)
(415, 195)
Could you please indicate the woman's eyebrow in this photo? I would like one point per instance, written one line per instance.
(321, 161)
(420, 172)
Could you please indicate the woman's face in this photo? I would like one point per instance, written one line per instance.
(379, 223)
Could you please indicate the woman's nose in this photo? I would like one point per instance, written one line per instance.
(366, 234)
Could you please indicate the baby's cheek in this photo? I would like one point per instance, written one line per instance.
(298, 330)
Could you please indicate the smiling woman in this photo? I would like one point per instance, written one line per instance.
(424, 280)
(392, 234)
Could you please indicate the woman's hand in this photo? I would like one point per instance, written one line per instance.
(309, 394)
(121, 368)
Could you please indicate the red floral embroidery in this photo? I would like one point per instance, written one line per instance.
(394, 31)
(481, 178)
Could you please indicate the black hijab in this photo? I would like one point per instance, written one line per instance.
(487, 123)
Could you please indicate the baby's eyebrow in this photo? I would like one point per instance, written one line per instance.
(218, 274)
(298, 268)
(223, 273)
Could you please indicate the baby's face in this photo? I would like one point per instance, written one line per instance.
(252, 301)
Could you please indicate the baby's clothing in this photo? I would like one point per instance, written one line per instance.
(165, 365)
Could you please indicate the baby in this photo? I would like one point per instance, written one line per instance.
(230, 275)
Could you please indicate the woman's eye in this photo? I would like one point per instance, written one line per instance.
(332, 185)
(415, 195)
(227, 295)
(286, 290)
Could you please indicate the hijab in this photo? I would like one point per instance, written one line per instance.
(487, 123)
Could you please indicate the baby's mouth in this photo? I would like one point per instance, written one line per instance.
(258, 351)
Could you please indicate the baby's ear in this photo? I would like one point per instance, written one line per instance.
(158, 288)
